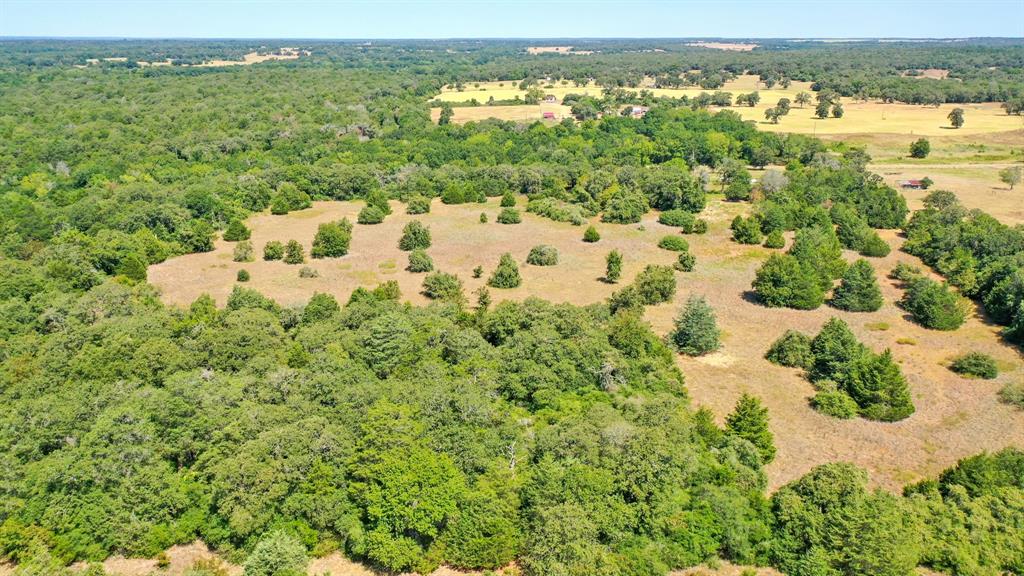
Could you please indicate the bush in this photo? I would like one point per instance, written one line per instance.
(307, 272)
(591, 234)
(273, 250)
(508, 200)
(370, 215)
(558, 210)
(242, 252)
(782, 281)
(417, 205)
(656, 284)
(1013, 393)
(613, 266)
(289, 198)
(792, 349)
(293, 253)
(236, 231)
(920, 148)
(835, 403)
(975, 364)
(905, 272)
(506, 275)
(775, 239)
(483, 218)
(543, 255)
(685, 262)
(746, 230)
(678, 218)
(858, 291)
(332, 239)
(934, 305)
(415, 235)
(874, 246)
(443, 286)
(696, 332)
(674, 243)
(243, 276)
(509, 216)
(320, 307)
(277, 554)
(420, 261)
(478, 271)
(625, 207)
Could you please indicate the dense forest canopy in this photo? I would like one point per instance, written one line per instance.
(560, 437)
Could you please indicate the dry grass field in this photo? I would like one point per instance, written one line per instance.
(955, 417)
(524, 113)
(732, 46)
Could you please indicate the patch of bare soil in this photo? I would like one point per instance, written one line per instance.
(955, 417)
(732, 46)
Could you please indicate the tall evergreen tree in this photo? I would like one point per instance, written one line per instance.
(749, 420)
(696, 332)
(613, 266)
(858, 291)
(506, 275)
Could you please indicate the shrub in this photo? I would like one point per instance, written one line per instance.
(242, 252)
(243, 276)
(591, 234)
(379, 199)
(415, 235)
(506, 275)
(483, 218)
(478, 271)
(509, 216)
(277, 554)
(625, 207)
(420, 261)
(746, 230)
(236, 231)
(543, 255)
(417, 205)
(273, 250)
(443, 286)
(696, 332)
(508, 200)
(289, 198)
(307, 272)
(558, 210)
(920, 148)
(629, 298)
(685, 262)
(332, 239)
(792, 349)
(934, 305)
(370, 215)
(874, 246)
(293, 253)
(1013, 393)
(674, 243)
(320, 307)
(656, 284)
(699, 227)
(738, 189)
(858, 291)
(782, 281)
(613, 266)
(835, 403)
(775, 239)
(905, 272)
(678, 218)
(975, 364)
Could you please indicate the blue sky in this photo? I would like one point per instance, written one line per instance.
(508, 18)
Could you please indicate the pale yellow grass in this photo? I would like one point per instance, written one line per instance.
(976, 185)
(556, 50)
(524, 113)
(731, 46)
(954, 418)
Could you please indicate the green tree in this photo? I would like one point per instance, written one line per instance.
(749, 421)
(289, 198)
(655, 284)
(443, 286)
(236, 231)
(332, 239)
(420, 261)
(293, 253)
(273, 250)
(591, 234)
(696, 332)
(858, 291)
(277, 554)
(447, 112)
(506, 275)
(415, 235)
(782, 282)
(613, 266)
(956, 117)
(1011, 176)
(802, 98)
(920, 148)
(792, 349)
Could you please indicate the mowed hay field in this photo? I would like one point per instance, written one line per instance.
(869, 117)
(523, 113)
(955, 417)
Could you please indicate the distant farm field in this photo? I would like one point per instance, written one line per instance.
(955, 417)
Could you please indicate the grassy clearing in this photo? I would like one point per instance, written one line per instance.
(523, 113)
(893, 453)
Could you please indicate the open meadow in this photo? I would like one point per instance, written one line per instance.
(955, 417)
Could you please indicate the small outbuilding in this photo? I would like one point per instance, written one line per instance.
(549, 115)
(912, 184)
(638, 111)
